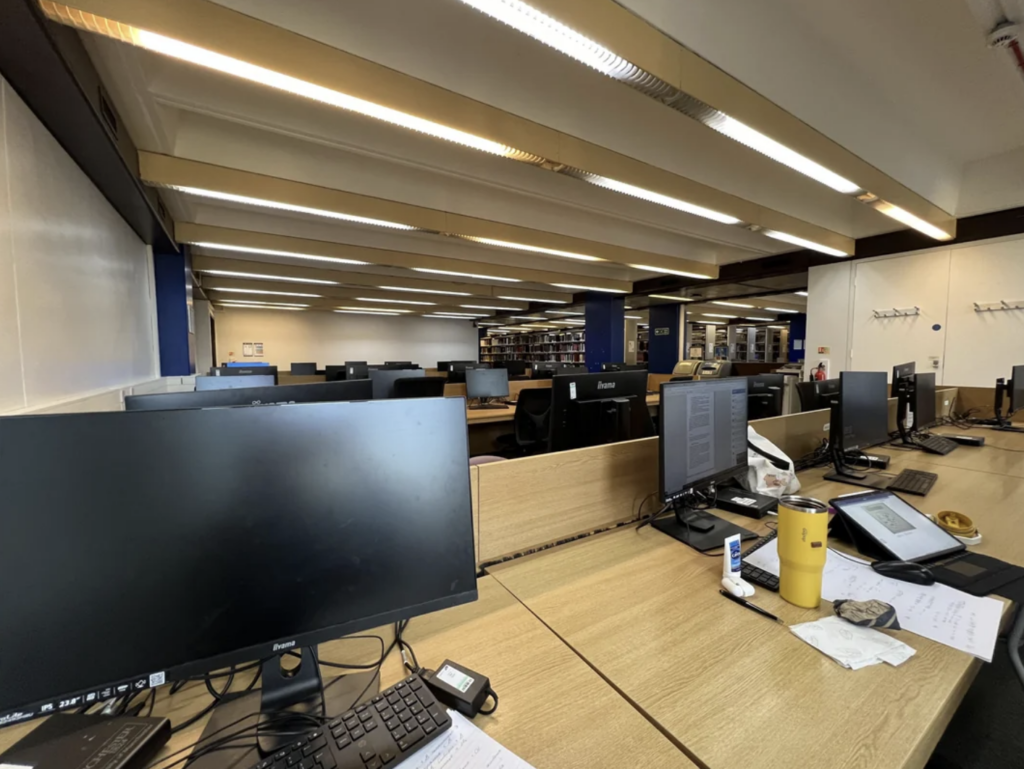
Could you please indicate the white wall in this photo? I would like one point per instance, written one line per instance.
(77, 309)
(331, 338)
(961, 346)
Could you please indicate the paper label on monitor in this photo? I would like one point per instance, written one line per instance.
(744, 501)
(450, 676)
(572, 391)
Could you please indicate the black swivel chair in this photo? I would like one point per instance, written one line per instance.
(533, 419)
(420, 387)
(808, 396)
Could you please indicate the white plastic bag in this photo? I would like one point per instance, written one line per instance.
(770, 471)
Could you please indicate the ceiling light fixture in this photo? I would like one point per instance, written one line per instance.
(562, 312)
(490, 307)
(529, 317)
(441, 316)
(231, 198)
(386, 310)
(534, 249)
(568, 41)
(763, 320)
(273, 252)
(680, 273)
(589, 288)
(366, 312)
(394, 301)
(800, 293)
(656, 197)
(735, 304)
(634, 317)
(778, 309)
(262, 304)
(424, 291)
(239, 306)
(466, 315)
(257, 291)
(259, 276)
(716, 315)
(907, 218)
(537, 325)
(534, 299)
(786, 237)
(565, 323)
(712, 323)
(672, 298)
(466, 275)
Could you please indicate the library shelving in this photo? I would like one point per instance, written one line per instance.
(545, 346)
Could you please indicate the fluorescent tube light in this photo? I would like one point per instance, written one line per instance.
(751, 317)
(466, 315)
(662, 200)
(424, 291)
(262, 304)
(634, 317)
(534, 249)
(681, 273)
(786, 237)
(258, 276)
(673, 298)
(386, 310)
(240, 306)
(267, 293)
(366, 312)
(735, 304)
(395, 301)
(529, 317)
(910, 220)
(232, 198)
(534, 299)
(716, 315)
(466, 275)
(440, 316)
(273, 252)
(778, 309)
(800, 293)
(490, 307)
(589, 288)
(562, 312)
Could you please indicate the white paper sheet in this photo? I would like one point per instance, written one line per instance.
(852, 646)
(937, 612)
(464, 746)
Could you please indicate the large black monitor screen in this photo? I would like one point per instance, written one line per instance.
(317, 392)
(863, 409)
(924, 401)
(384, 380)
(1017, 389)
(703, 432)
(487, 383)
(130, 548)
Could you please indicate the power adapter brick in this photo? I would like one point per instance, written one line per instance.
(461, 689)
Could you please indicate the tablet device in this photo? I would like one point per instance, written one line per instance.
(895, 527)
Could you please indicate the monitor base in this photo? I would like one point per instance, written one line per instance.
(340, 694)
(865, 480)
(701, 540)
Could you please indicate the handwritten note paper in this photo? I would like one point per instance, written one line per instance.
(937, 612)
(464, 746)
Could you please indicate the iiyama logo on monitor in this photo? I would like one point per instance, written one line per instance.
(606, 385)
(282, 647)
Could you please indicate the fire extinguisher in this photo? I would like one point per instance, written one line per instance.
(820, 374)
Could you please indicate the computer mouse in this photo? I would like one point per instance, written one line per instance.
(905, 571)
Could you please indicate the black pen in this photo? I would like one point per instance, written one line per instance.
(751, 606)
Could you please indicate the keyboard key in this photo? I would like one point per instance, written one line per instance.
(381, 706)
(393, 723)
(394, 697)
(343, 742)
(314, 736)
(406, 743)
(326, 761)
(335, 723)
(293, 759)
(307, 763)
(416, 684)
(429, 727)
(410, 679)
(399, 706)
(366, 755)
(377, 699)
(365, 716)
(351, 723)
(336, 733)
(280, 756)
(314, 747)
(410, 700)
(361, 708)
(350, 714)
(374, 763)
(399, 686)
(437, 715)
(406, 715)
(426, 698)
(369, 726)
(422, 718)
(398, 733)
(387, 715)
(416, 709)
(387, 756)
(358, 733)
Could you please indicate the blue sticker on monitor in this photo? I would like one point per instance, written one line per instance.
(937, 327)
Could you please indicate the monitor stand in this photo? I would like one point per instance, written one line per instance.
(298, 690)
(700, 529)
(843, 473)
(485, 403)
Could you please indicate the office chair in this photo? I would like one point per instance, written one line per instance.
(533, 419)
(420, 387)
(808, 397)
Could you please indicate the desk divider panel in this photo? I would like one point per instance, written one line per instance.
(458, 389)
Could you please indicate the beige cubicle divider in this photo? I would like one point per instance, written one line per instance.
(534, 501)
(474, 489)
(458, 389)
(654, 381)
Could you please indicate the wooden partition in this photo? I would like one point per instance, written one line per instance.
(285, 378)
(458, 389)
(530, 502)
(982, 400)
(523, 504)
(654, 381)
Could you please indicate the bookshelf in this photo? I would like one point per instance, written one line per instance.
(545, 346)
(643, 346)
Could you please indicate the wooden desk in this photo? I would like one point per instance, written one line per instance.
(555, 711)
(737, 690)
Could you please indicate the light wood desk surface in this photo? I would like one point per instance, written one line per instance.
(735, 689)
(555, 712)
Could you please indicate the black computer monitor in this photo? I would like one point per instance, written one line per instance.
(543, 369)
(303, 369)
(826, 392)
(383, 380)
(1011, 394)
(356, 370)
(287, 527)
(859, 419)
(593, 409)
(514, 367)
(764, 396)
(444, 366)
(623, 366)
(570, 369)
(923, 401)
(457, 374)
(486, 383)
(245, 371)
(403, 364)
(902, 375)
(335, 373)
(204, 383)
(275, 395)
(703, 443)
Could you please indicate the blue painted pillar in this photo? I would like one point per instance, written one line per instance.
(172, 273)
(797, 331)
(664, 337)
(606, 329)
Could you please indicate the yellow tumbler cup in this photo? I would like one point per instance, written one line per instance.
(803, 544)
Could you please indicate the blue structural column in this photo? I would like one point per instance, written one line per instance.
(663, 345)
(606, 329)
(797, 333)
(172, 272)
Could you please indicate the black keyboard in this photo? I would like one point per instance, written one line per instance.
(383, 732)
(935, 444)
(758, 576)
(913, 482)
(489, 406)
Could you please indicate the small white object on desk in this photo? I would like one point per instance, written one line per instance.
(852, 646)
(464, 746)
